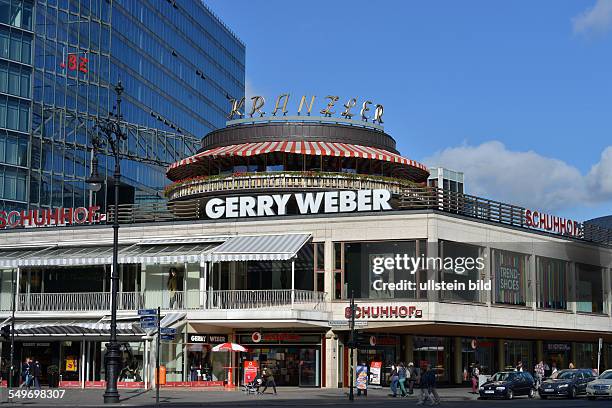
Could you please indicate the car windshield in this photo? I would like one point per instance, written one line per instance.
(502, 376)
(563, 375)
(607, 375)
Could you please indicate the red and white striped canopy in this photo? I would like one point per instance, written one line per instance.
(299, 147)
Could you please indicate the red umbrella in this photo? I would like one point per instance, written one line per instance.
(229, 347)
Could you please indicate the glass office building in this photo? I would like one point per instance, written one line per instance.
(59, 63)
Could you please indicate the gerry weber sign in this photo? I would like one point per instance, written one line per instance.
(327, 202)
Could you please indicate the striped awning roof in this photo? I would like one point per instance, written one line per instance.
(71, 256)
(259, 248)
(75, 328)
(165, 254)
(300, 147)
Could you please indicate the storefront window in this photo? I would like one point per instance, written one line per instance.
(586, 355)
(517, 350)
(556, 355)
(480, 352)
(319, 263)
(434, 351)
(370, 282)
(202, 364)
(383, 348)
(552, 283)
(456, 250)
(339, 292)
(510, 275)
(589, 288)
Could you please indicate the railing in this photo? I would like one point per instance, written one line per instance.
(267, 299)
(187, 300)
(285, 181)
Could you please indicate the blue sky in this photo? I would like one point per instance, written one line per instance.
(517, 94)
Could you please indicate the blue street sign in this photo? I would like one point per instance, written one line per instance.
(147, 325)
(167, 337)
(168, 330)
(148, 322)
(147, 312)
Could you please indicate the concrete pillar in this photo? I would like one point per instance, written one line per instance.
(332, 356)
(408, 341)
(539, 351)
(501, 354)
(458, 361)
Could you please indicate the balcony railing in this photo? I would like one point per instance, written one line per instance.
(187, 300)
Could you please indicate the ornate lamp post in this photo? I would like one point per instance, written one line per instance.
(112, 135)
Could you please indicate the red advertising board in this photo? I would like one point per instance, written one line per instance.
(250, 371)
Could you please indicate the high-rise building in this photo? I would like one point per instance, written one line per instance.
(59, 63)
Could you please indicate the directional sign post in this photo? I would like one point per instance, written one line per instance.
(341, 323)
(168, 331)
(147, 312)
(148, 322)
(167, 337)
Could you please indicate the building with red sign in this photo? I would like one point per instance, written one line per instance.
(269, 229)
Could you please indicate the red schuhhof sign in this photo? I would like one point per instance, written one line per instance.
(50, 217)
(551, 223)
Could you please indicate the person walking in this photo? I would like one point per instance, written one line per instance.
(402, 374)
(519, 366)
(423, 382)
(433, 391)
(539, 371)
(412, 376)
(26, 373)
(268, 378)
(36, 373)
(474, 376)
(394, 380)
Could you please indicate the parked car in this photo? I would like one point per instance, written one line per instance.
(566, 383)
(508, 384)
(601, 387)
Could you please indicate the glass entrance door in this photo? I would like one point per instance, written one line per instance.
(309, 368)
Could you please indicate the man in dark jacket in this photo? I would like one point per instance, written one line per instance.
(268, 379)
(36, 372)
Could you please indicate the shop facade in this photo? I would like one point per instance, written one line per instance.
(264, 244)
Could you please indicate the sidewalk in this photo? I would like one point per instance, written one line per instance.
(186, 397)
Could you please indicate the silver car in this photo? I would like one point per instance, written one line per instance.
(601, 387)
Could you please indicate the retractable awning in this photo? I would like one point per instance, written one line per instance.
(164, 254)
(10, 258)
(259, 248)
(75, 328)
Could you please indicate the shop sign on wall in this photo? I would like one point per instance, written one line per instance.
(384, 312)
(51, 217)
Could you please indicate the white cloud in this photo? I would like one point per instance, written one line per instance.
(527, 178)
(596, 19)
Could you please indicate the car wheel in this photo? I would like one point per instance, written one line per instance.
(572, 393)
(509, 394)
(532, 393)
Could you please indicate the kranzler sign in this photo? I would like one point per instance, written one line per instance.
(327, 202)
(50, 217)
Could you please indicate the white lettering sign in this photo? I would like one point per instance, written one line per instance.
(327, 202)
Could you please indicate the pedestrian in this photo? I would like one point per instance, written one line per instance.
(402, 373)
(539, 371)
(412, 376)
(36, 372)
(519, 366)
(26, 373)
(394, 380)
(172, 285)
(268, 379)
(423, 383)
(474, 375)
(553, 368)
(571, 365)
(433, 391)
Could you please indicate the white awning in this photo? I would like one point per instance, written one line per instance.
(74, 328)
(165, 254)
(10, 258)
(259, 248)
(73, 256)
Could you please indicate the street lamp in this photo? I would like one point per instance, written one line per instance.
(112, 135)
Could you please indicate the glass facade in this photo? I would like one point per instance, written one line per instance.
(509, 273)
(59, 62)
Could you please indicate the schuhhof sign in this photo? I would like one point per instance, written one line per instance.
(49, 217)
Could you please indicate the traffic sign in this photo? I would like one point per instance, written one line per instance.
(167, 337)
(147, 312)
(340, 323)
(168, 330)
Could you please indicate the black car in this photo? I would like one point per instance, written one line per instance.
(566, 383)
(508, 384)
